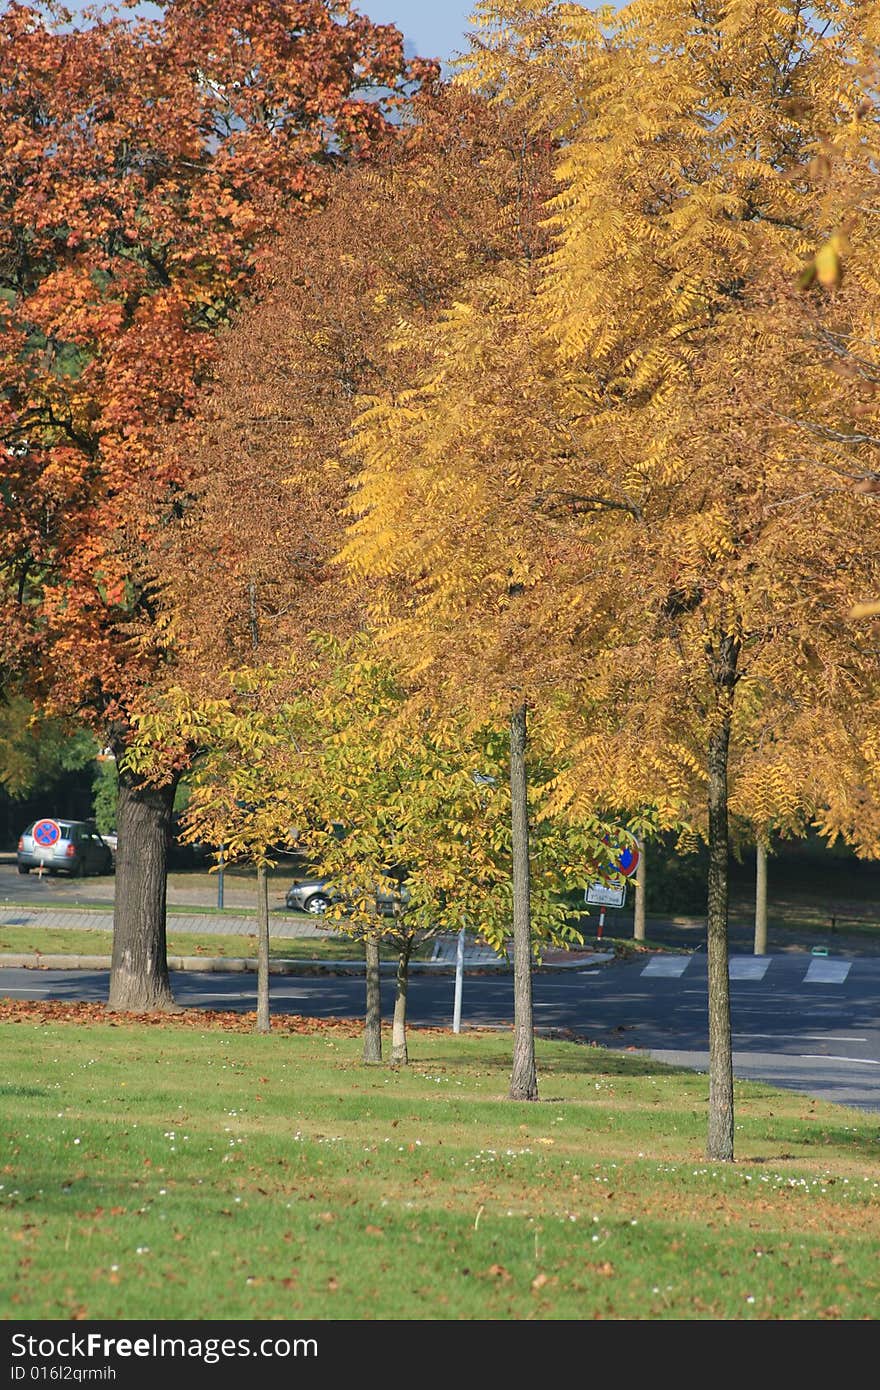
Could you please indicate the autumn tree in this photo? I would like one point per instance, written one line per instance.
(598, 484)
(392, 800)
(461, 194)
(424, 803)
(146, 163)
(253, 557)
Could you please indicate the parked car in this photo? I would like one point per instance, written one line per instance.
(310, 895)
(58, 845)
(315, 895)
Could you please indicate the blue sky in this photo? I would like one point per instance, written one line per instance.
(435, 30)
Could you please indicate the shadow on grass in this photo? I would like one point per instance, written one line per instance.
(566, 1055)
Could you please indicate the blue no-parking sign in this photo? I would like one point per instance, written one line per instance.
(47, 833)
(626, 861)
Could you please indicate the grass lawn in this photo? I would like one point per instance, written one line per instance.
(182, 1168)
(89, 941)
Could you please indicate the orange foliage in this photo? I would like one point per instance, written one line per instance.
(145, 166)
(252, 567)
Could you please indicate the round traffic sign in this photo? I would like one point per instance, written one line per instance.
(628, 861)
(47, 833)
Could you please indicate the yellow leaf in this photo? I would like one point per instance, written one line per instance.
(828, 268)
(828, 263)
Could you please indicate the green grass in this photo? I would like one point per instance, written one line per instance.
(89, 941)
(93, 941)
(188, 1171)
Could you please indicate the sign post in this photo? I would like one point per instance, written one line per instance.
(605, 895)
(222, 861)
(459, 973)
(482, 779)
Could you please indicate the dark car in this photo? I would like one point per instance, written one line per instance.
(54, 845)
(315, 895)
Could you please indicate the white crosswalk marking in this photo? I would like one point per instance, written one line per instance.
(667, 965)
(820, 971)
(827, 972)
(748, 967)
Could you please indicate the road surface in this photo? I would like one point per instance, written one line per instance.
(802, 1022)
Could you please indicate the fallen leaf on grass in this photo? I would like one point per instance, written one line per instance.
(80, 1012)
(539, 1281)
(498, 1272)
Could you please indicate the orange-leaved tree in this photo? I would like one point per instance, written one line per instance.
(252, 560)
(145, 163)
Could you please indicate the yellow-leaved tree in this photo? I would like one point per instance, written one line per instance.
(599, 492)
(406, 810)
(251, 572)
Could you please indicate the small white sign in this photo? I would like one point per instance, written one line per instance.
(606, 895)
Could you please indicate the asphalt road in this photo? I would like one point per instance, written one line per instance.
(186, 888)
(801, 1022)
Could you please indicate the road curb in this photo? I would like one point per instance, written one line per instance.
(232, 965)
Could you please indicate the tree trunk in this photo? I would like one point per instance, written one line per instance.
(761, 897)
(641, 883)
(399, 1055)
(373, 1017)
(524, 1076)
(139, 964)
(720, 1133)
(263, 1024)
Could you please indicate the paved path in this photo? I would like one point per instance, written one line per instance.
(212, 924)
(282, 926)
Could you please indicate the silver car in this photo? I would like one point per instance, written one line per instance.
(54, 845)
(312, 895)
(315, 895)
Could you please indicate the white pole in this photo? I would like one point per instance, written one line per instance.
(459, 972)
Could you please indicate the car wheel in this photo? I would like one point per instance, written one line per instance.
(317, 904)
(24, 868)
